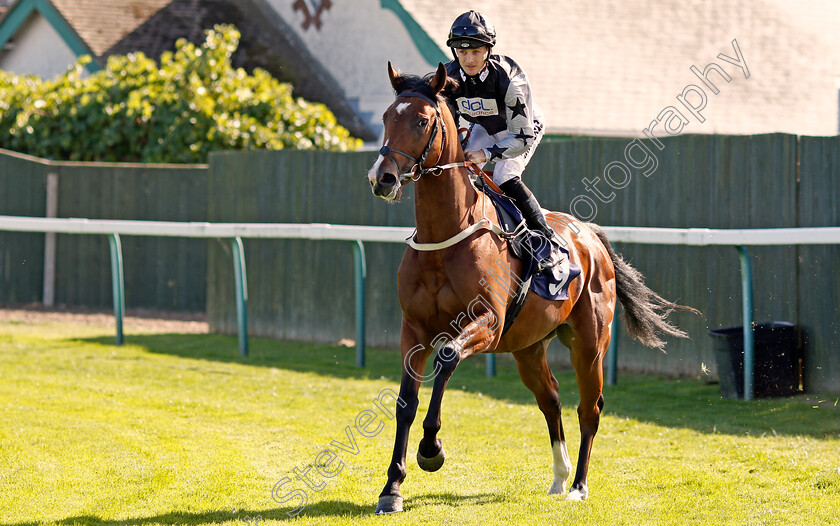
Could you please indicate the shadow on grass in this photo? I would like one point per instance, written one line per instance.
(325, 508)
(668, 402)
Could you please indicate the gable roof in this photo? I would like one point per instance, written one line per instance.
(608, 68)
(104, 23)
(102, 28)
(17, 13)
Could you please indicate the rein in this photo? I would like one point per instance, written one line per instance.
(418, 169)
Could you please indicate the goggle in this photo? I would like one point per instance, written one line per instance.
(467, 31)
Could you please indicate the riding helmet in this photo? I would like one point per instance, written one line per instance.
(471, 30)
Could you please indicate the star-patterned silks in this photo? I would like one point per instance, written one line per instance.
(496, 152)
(503, 105)
(518, 109)
(524, 136)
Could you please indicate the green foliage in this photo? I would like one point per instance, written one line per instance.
(193, 103)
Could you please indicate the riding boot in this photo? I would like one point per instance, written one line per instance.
(534, 218)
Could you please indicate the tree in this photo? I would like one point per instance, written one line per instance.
(194, 102)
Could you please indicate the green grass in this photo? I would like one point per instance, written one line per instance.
(177, 429)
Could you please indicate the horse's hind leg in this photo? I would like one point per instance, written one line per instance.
(589, 345)
(536, 375)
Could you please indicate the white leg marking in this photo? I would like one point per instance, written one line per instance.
(562, 468)
(577, 495)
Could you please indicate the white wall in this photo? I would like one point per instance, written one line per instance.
(38, 49)
(355, 42)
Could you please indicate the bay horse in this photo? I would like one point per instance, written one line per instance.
(455, 284)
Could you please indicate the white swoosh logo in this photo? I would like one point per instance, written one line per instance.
(554, 288)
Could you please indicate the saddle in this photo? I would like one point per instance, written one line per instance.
(529, 247)
(511, 219)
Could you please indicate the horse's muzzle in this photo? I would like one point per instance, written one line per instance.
(387, 186)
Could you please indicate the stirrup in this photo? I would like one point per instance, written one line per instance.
(555, 255)
(551, 261)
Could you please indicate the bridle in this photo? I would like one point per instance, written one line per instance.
(417, 168)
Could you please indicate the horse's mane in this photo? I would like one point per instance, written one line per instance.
(423, 85)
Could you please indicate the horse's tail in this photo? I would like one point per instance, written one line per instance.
(645, 312)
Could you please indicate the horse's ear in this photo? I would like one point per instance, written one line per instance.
(439, 82)
(396, 78)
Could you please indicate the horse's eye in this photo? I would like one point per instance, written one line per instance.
(422, 123)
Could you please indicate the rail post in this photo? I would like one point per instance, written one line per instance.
(747, 315)
(241, 285)
(490, 365)
(612, 351)
(117, 283)
(361, 275)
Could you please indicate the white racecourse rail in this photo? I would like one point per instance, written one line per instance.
(740, 239)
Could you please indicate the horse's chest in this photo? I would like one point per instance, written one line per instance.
(433, 295)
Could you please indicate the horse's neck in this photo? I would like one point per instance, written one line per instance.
(446, 204)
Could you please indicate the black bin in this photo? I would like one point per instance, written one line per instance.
(775, 371)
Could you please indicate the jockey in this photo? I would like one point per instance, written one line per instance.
(494, 98)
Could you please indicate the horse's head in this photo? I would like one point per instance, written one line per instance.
(414, 133)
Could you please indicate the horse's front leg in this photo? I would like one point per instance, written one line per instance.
(414, 356)
(474, 338)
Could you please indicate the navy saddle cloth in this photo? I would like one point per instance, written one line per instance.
(532, 247)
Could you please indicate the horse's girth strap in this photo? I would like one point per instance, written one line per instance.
(518, 301)
(457, 238)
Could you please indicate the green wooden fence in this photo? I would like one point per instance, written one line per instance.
(167, 274)
(22, 192)
(818, 269)
(700, 181)
(304, 289)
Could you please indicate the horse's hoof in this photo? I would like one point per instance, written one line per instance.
(577, 494)
(389, 504)
(431, 464)
(557, 488)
